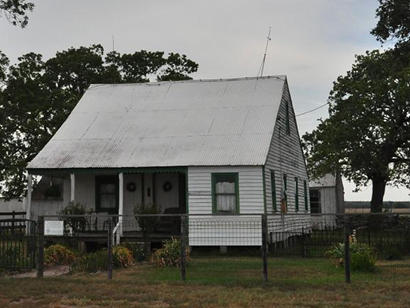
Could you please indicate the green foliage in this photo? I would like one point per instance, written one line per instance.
(98, 261)
(147, 223)
(76, 223)
(16, 11)
(91, 262)
(58, 255)
(122, 257)
(169, 254)
(36, 96)
(13, 257)
(362, 257)
(366, 137)
(393, 20)
(137, 250)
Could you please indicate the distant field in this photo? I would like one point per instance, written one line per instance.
(367, 210)
(218, 282)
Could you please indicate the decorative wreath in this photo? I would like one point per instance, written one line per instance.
(131, 186)
(167, 186)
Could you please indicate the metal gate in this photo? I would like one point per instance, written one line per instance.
(17, 244)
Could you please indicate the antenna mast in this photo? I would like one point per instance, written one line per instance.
(268, 38)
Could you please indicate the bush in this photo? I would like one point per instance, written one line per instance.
(169, 254)
(362, 256)
(137, 250)
(98, 261)
(91, 262)
(122, 256)
(58, 255)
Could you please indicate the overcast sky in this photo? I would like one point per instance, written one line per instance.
(313, 42)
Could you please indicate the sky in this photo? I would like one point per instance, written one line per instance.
(312, 42)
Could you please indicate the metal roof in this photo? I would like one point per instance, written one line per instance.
(163, 124)
(328, 180)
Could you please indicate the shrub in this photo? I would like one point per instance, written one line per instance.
(98, 261)
(58, 255)
(137, 250)
(122, 256)
(362, 256)
(169, 254)
(91, 262)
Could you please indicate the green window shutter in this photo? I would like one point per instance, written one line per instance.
(221, 190)
(306, 195)
(285, 188)
(273, 189)
(296, 195)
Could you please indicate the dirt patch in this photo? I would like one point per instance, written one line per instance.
(51, 271)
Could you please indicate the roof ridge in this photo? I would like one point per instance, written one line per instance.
(154, 83)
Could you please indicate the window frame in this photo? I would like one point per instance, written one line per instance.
(273, 191)
(106, 179)
(214, 179)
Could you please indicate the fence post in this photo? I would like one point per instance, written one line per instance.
(265, 246)
(347, 250)
(40, 258)
(183, 247)
(109, 244)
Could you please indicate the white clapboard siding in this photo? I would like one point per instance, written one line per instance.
(250, 189)
(328, 201)
(281, 227)
(225, 230)
(232, 230)
(286, 157)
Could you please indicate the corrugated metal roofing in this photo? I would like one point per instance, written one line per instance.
(163, 124)
(328, 180)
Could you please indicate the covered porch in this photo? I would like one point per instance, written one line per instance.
(114, 193)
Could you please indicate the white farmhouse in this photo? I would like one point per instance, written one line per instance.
(222, 150)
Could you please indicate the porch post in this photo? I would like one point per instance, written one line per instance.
(121, 201)
(28, 200)
(72, 191)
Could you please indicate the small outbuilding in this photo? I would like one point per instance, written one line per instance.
(222, 150)
(326, 200)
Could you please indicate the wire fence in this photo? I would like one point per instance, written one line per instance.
(219, 242)
(17, 244)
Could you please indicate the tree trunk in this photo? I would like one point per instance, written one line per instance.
(379, 186)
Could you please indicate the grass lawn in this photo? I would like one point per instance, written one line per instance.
(216, 282)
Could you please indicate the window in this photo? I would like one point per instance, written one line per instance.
(315, 207)
(225, 194)
(273, 189)
(296, 195)
(287, 118)
(106, 194)
(305, 195)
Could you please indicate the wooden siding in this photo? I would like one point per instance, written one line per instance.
(250, 189)
(286, 157)
(225, 230)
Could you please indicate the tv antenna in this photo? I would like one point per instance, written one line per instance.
(268, 38)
